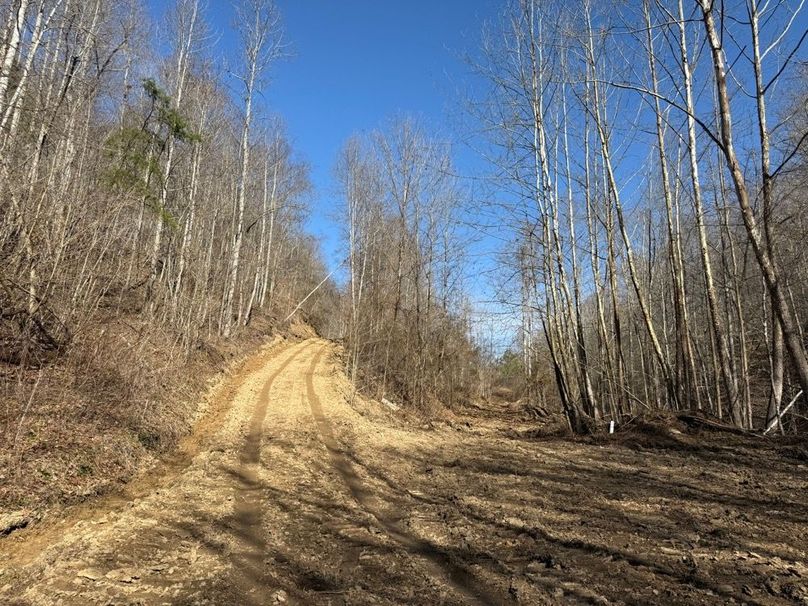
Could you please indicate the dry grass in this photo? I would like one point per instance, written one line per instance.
(124, 392)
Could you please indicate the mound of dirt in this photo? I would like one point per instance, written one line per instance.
(301, 330)
(652, 430)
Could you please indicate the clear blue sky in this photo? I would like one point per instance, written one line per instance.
(357, 63)
(352, 65)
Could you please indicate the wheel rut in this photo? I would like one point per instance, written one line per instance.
(439, 563)
(293, 492)
(272, 509)
(252, 576)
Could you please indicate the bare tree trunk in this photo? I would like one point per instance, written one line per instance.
(614, 191)
(770, 272)
(776, 394)
(259, 50)
(183, 58)
(12, 46)
(587, 392)
(685, 351)
(272, 210)
(730, 384)
(11, 114)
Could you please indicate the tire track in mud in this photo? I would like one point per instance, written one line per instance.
(248, 511)
(440, 564)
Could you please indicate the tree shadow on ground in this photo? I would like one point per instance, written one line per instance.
(521, 493)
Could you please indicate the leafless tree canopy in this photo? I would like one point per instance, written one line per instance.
(133, 184)
(651, 166)
(656, 154)
(406, 334)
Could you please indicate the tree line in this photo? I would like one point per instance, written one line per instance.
(138, 176)
(650, 167)
(652, 164)
(407, 326)
(143, 180)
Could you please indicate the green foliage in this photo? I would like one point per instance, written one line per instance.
(174, 123)
(166, 216)
(510, 365)
(135, 152)
(134, 163)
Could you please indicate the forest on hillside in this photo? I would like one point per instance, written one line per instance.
(152, 211)
(141, 182)
(549, 344)
(152, 227)
(649, 164)
(648, 170)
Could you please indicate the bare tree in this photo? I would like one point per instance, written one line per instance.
(260, 38)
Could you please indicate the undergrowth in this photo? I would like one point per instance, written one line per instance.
(124, 392)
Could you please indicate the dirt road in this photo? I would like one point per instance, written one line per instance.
(294, 492)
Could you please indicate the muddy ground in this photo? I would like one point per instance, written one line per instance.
(293, 491)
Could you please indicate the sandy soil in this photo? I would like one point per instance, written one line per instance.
(293, 491)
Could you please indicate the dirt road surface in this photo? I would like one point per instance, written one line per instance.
(291, 491)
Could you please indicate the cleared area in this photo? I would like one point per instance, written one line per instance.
(299, 492)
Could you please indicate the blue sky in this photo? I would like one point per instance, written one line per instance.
(352, 65)
(357, 63)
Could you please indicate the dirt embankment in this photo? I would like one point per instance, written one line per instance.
(301, 493)
(122, 398)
